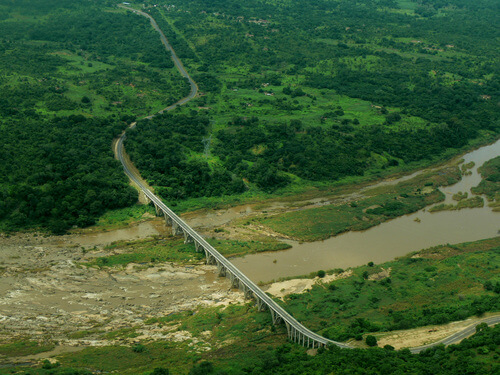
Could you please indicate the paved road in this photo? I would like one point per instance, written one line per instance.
(296, 331)
(458, 336)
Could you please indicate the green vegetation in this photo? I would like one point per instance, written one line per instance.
(230, 248)
(25, 347)
(260, 351)
(73, 75)
(159, 249)
(460, 196)
(463, 203)
(149, 251)
(490, 184)
(383, 204)
(124, 216)
(371, 340)
(235, 337)
(321, 91)
(434, 286)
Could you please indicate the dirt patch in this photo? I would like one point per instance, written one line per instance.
(424, 335)
(297, 286)
(385, 273)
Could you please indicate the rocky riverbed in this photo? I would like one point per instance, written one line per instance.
(48, 293)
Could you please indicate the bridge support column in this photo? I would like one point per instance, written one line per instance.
(176, 229)
(221, 269)
(235, 282)
(168, 220)
(276, 318)
(198, 247)
(158, 210)
(210, 259)
(187, 238)
(246, 291)
(261, 306)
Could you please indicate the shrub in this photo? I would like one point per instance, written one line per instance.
(371, 340)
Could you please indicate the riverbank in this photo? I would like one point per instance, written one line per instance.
(433, 286)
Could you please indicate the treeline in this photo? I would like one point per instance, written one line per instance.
(164, 150)
(475, 355)
(267, 155)
(105, 34)
(60, 173)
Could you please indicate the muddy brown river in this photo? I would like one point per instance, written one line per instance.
(386, 241)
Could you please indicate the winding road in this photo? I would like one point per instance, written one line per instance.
(296, 331)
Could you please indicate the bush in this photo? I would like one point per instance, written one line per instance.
(321, 273)
(160, 371)
(371, 340)
(138, 348)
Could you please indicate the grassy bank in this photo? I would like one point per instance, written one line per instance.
(434, 286)
(381, 204)
(490, 185)
(173, 249)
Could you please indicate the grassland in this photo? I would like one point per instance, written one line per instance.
(382, 204)
(172, 249)
(25, 347)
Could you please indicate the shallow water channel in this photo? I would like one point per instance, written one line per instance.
(386, 241)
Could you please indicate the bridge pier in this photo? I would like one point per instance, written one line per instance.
(168, 220)
(276, 317)
(261, 305)
(246, 291)
(221, 269)
(176, 229)
(158, 210)
(210, 259)
(197, 246)
(187, 238)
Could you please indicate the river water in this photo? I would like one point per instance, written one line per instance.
(386, 241)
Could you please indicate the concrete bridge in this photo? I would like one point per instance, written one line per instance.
(296, 331)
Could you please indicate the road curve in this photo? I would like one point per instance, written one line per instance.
(293, 326)
(458, 336)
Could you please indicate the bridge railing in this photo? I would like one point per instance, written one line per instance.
(296, 331)
(293, 326)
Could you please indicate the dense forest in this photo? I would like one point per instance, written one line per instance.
(72, 75)
(293, 94)
(305, 93)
